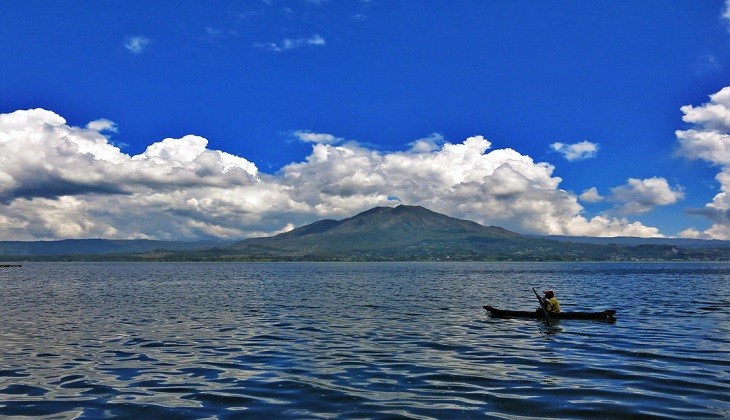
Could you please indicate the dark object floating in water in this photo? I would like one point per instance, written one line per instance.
(607, 315)
(10, 265)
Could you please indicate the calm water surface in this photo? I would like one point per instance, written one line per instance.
(361, 341)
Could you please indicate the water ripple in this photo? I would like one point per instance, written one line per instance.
(361, 341)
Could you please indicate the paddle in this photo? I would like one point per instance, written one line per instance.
(542, 305)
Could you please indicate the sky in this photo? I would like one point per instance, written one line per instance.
(235, 119)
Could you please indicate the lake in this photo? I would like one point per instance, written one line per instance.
(362, 340)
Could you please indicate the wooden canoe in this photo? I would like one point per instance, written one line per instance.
(607, 315)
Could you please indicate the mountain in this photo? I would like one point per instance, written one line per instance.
(414, 233)
(381, 233)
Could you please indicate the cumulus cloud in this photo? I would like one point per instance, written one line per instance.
(428, 144)
(714, 115)
(102, 125)
(726, 13)
(137, 44)
(58, 180)
(290, 44)
(591, 195)
(61, 181)
(709, 139)
(576, 151)
(643, 195)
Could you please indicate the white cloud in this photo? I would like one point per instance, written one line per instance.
(136, 44)
(576, 151)
(709, 140)
(428, 144)
(726, 13)
(591, 195)
(714, 115)
(290, 44)
(693, 234)
(59, 181)
(47, 165)
(643, 195)
(102, 125)
(709, 145)
(321, 138)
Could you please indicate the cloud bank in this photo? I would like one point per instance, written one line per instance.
(708, 139)
(62, 181)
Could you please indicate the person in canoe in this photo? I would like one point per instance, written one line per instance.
(551, 302)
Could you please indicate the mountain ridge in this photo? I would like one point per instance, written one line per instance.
(383, 229)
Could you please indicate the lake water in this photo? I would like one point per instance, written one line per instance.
(361, 340)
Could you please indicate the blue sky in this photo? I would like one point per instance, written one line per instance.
(280, 113)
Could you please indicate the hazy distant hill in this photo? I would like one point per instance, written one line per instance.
(98, 246)
(631, 241)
